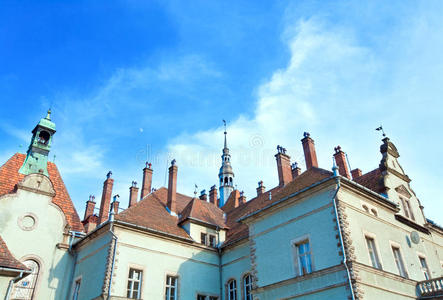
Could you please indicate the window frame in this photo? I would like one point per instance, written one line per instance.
(295, 243)
(244, 289)
(399, 261)
(214, 237)
(229, 290)
(140, 281)
(77, 282)
(38, 276)
(168, 286)
(420, 257)
(372, 237)
(203, 238)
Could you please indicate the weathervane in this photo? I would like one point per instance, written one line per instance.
(381, 129)
(224, 123)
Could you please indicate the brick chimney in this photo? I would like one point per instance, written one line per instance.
(147, 180)
(133, 193)
(203, 195)
(261, 188)
(116, 206)
(309, 150)
(213, 195)
(340, 160)
(90, 206)
(242, 198)
(296, 171)
(356, 173)
(106, 198)
(172, 188)
(283, 166)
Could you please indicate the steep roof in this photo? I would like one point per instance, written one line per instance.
(240, 231)
(151, 213)
(9, 177)
(203, 211)
(7, 260)
(372, 180)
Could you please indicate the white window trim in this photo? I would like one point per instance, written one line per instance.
(136, 267)
(295, 264)
(377, 248)
(398, 246)
(422, 255)
(173, 274)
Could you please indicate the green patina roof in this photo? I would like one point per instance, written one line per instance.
(46, 122)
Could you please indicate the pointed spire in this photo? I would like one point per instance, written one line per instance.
(226, 144)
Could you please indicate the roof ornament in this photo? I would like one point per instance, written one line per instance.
(381, 129)
(48, 116)
(109, 174)
(224, 124)
(173, 162)
(337, 149)
(294, 165)
(280, 149)
(195, 190)
(306, 134)
(134, 184)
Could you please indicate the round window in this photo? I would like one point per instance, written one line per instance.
(27, 222)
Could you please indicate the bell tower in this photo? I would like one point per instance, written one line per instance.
(37, 156)
(226, 175)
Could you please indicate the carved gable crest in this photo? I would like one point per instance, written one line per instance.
(402, 190)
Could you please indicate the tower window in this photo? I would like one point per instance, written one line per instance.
(226, 180)
(43, 137)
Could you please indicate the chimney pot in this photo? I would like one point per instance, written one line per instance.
(242, 198)
(309, 151)
(213, 195)
(203, 195)
(172, 188)
(283, 166)
(106, 198)
(341, 161)
(90, 206)
(296, 171)
(356, 173)
(133, 193)
(147, 181)
(261, 188)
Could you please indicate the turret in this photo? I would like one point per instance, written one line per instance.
(226, 175)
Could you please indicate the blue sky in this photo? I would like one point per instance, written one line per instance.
(130, 80)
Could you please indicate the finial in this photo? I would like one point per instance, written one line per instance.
(381, 129)
(337, 149)
(48, 116)
(195, 190)
(306, 134)
(294, 165)
(109, 174)
(173, 162)
(224, 123)
(134, 184)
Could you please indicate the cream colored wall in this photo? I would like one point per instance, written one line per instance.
(38, 243)
(387, 231)
(196, 267)
(4, 281)
(195, 230)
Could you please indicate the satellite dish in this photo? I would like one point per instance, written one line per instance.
(415, 237)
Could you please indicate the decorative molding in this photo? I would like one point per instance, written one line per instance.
(412, 224)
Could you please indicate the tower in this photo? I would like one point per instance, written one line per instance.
(226, 175)
(37, 156)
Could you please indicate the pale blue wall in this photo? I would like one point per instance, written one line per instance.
(235, 263)
(91, 266)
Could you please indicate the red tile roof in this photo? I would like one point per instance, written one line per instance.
(7, 260)
(372, 180)
(151, 213)
(203, 211)
(9, 177)
(240, 231)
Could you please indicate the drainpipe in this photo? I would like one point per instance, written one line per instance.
(219, 263)
(340, 234)
(13, 280)
(114, 239)
(74, 234)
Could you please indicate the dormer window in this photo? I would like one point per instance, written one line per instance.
(407, 208)
(43, 137)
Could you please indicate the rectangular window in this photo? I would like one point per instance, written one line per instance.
(212, 240)
(424, 267)
(399, 262)
(171, 288)
(76, 290)
(203, 237)
(134, 283)
(407, 208)
(408, 204)
(373, 252)
(201, 297)
(304, 257)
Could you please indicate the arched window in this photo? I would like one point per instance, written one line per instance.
(226, 180)
(24, 289)
(232, 289)
(230, 180)
(247, 287)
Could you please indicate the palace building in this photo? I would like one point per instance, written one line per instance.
(319, 234)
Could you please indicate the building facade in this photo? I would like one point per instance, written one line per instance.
(319, 234)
